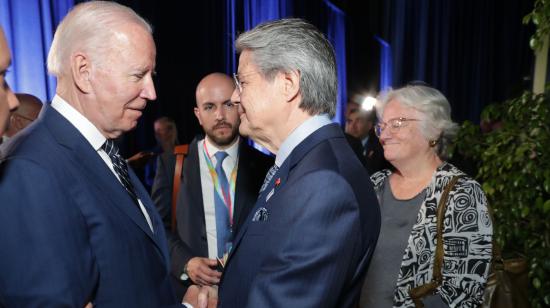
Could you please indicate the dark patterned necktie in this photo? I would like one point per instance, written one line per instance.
(120, 166)
(269, 176)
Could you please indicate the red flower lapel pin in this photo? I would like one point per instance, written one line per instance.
(277, 182)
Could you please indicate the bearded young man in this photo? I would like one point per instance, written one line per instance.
(220, 183)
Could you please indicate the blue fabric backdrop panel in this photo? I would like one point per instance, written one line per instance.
(29, 26)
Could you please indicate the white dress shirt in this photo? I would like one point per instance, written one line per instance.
(229, 163)
(298, 135)
(94, 137)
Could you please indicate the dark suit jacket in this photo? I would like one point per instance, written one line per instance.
(315, 240)
(190, 240)
(374, 155)
(69, 231)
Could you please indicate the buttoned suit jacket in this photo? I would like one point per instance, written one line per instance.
(69, 232)
(190, 240)
(310, 236)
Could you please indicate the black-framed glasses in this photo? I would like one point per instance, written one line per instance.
(394, 124)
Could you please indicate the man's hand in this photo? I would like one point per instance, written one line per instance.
(202, 271)
(140, 159)
(201, 297)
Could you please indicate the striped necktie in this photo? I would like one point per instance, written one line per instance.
(223, 228)
(120, 167)
(269, 176)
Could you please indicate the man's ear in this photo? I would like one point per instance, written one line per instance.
(291, 84)
(81, 71)
(197, 114)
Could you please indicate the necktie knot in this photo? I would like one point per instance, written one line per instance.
(220, 156)
(110, 148)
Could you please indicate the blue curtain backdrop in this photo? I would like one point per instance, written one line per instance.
(336, 34)
(385, 64)
(29, 26)
(474, 52)
(246, 14)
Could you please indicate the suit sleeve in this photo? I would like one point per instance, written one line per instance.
(161, 192)
(45, 259)
(314, 244)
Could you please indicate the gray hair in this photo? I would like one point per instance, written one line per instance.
(88, 27)
(294, 44)
(436, 125)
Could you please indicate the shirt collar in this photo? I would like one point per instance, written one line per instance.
(299, 134)
(84, 126)
(365, 141)
(232, 151)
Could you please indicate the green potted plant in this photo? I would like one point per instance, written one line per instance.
(512, 157)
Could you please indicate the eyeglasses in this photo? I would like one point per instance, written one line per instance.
(394, 125)
(238, 82)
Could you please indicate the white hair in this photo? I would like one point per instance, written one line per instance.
(434, 109)
(88, 27)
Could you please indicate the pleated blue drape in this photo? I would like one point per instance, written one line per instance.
(29, 26)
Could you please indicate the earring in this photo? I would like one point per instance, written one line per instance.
(432, 143)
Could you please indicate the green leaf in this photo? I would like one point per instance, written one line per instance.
(546, 207)
(525, 212)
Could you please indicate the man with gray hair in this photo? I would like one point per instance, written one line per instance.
(309, 238)
(77, 226)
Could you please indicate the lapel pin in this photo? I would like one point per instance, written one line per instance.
(277, 182)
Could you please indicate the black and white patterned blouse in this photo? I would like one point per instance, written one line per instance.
(467, 241)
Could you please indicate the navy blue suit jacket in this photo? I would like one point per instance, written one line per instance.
(69, 232)
(312, 246)
(190, 240)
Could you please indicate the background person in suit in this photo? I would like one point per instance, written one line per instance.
(310, 236)
(360, 124)
(76, 224)
(196, 244)
(144, 163)
(8, 101)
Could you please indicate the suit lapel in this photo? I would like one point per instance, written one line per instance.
(241, 189)
(98, 173)
(193, 183)
(280, 178)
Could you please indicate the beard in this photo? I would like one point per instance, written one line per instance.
(219, 139)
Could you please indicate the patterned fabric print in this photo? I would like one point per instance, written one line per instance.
(467, 236)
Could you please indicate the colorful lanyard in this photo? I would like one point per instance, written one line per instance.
(226, 195)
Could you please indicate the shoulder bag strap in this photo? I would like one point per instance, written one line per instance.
(419, 292)
(181, 152)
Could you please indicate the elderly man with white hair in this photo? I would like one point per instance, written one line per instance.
(77, 226)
